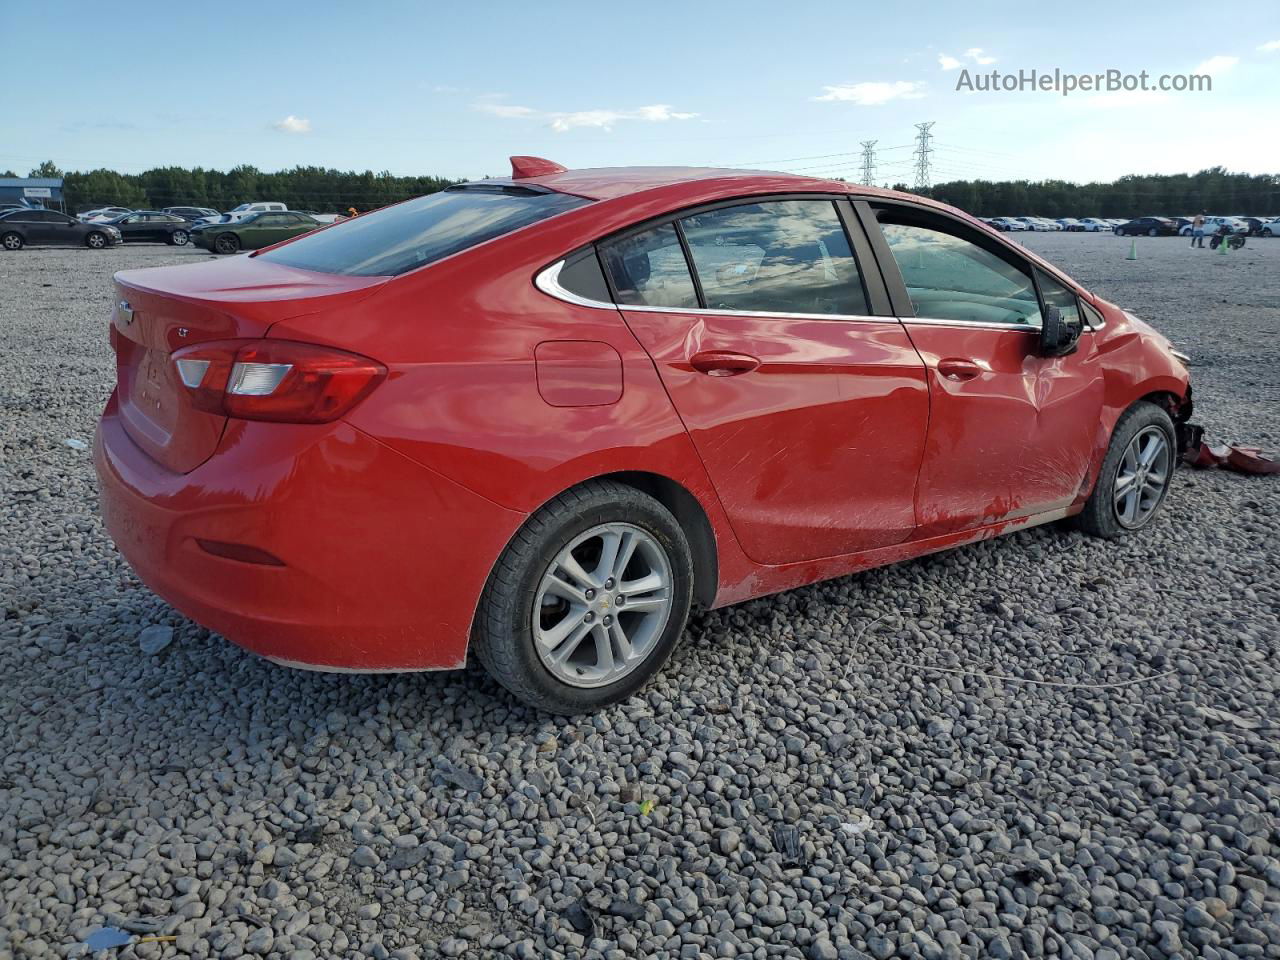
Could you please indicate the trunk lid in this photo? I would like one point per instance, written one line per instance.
(163, 309)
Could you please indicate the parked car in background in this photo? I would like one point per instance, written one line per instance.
(30, 227)
(318, 475)
(1009, 224)
(1271, 228)
(1147, 226)
(193, 214)
(249, 209)
(253, 232)
(103, 213)
(1213, 224)
(153, 226)
(1254, 224)
(1095, 225)
(1069, 223)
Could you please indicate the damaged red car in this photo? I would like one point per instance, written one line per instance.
(539, 417)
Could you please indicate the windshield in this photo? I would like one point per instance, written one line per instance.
(400, 238)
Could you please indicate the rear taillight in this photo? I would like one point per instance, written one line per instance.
(275, 379)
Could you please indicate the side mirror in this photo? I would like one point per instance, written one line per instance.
(1059, 337)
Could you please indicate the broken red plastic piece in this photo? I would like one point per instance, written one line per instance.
(1240, 459)
(1251, 460)
(524, 167)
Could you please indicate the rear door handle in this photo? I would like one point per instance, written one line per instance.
(953, 368)
(723, 363)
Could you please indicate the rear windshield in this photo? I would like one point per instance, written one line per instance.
(412, 234)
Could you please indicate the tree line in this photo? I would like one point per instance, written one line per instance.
(301, 188)
(1214, 191)
(325, 190)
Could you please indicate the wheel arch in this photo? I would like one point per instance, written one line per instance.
(693, 520)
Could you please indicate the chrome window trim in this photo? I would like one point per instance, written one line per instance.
(548, 281)
(992, 325)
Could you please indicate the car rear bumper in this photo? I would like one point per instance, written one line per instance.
(359, 558)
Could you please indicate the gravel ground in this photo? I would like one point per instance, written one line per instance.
(1037, 746)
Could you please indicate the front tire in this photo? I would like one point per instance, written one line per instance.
(11, 241)
(588, 600)
(96, 241)
(1135, 474)
(226, 243)
(179, 238)
(1152, 232)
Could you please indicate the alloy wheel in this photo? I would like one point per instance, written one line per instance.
(1142, 476)
(602, 605)
(180, 238)
(12, 242)
(97, 241)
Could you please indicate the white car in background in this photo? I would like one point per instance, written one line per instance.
(1271, 228)
(249, 209)
(1213, 224)
(1095, 225)
(1011, 224)
(102, 214)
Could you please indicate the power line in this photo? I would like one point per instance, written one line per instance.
(922, 155)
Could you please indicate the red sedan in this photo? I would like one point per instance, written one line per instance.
(543, 415)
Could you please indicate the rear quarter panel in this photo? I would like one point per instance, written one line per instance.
(460, 340)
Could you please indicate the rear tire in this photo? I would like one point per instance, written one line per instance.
(96, 240)
(1135, 474)
(226, 243)
(11, 241)
(553, 581)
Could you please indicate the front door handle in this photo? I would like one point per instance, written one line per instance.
(953, 368)
(723, 363)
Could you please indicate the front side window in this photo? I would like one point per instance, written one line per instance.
(951, 278)
(780, 256)
(649, 269)
(412, 234)
(1057, 295)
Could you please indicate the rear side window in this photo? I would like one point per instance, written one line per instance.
(417, 232)
(649, 269)
(780, 256)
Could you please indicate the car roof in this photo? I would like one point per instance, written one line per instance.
(695, 184)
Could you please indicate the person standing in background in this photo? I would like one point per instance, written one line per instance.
(1197, 230)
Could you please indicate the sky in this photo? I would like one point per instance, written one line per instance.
(453, 90)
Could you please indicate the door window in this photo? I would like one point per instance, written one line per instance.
(949, 277)
(1057, 295)
(649, 270)
(781, 256)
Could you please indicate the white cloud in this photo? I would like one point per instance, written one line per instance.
(507, 110)
(873, 94)
(1271, 46)
(977, 56)
(292, 124)
(1218, 64)
(948, 63)
(564, 120)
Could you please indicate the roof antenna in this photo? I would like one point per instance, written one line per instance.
(524, 167)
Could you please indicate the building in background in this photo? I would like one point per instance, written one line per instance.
(32, 191)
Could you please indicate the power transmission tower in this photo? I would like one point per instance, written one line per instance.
(922, 151)
(869, 161)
